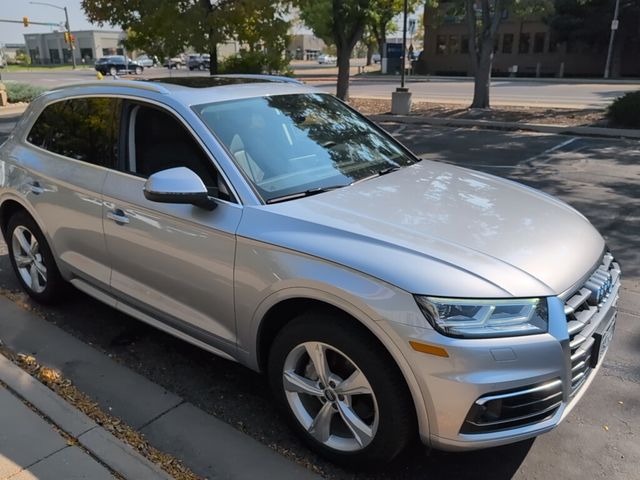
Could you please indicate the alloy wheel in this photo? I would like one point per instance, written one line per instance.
(330, 396)
(28, 258)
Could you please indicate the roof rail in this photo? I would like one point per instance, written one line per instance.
(266, 78)
(150, 87)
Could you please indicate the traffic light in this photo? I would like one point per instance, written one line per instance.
(67, 38)
(25, 21)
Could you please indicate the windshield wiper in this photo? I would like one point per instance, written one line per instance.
(306, 193)
(379, 173)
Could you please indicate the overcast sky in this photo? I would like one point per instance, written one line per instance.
(16, 9)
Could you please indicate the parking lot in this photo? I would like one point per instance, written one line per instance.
(600, 438)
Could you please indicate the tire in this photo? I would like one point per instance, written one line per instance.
(138, 70)
(383, 406)
(201, 67)
(113, 72)
(48, 286)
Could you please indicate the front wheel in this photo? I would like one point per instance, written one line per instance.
(113, 72)
(341, 390)
(32, 260)
(138, 70)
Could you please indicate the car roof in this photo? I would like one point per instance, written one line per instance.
(195, 90)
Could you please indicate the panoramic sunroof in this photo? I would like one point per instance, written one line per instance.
(206, 82)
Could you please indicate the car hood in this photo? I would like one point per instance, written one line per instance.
(437, 229)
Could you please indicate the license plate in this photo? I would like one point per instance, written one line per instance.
(602, 342)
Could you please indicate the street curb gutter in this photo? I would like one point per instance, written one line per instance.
(114, 453)
(511, 126)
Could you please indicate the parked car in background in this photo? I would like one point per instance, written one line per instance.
(147, 61)
(117, 64)
(375, 58)
(386, 297)
(174, 62)
(199, 62)
(327, 59)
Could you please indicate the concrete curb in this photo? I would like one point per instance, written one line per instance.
(13, 110)
(490, 124)
(111, 451)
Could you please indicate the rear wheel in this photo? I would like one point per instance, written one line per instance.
(113, 72)
(201, 67)
(138, 70)
(341, 390)
(32, 259)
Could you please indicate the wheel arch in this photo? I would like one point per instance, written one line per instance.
(294, 301)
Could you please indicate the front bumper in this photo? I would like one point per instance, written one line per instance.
(524, 385)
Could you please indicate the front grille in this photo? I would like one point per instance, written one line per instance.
(514, 408)
(582, 309)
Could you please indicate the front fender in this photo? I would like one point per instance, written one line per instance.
(267, 275)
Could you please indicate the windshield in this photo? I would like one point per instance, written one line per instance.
(296, 143)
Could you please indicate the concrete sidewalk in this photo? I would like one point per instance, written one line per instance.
(43, 437)
(210, 447)
(32, 448)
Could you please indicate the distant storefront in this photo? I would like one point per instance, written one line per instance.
(524, 47)
(305, 47)
(51, 48)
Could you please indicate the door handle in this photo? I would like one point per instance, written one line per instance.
(36, 188)
(118, 216)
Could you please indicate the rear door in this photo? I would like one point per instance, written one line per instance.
(172, 261)
(73, 143)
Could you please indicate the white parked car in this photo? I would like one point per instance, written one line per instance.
(327, 59)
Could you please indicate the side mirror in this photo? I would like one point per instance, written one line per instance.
(178, 185)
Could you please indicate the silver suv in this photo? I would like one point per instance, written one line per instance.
(384, 296)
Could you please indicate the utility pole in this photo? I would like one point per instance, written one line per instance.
(404, 42)
(66, 26)
(614, 27)
(401, 98)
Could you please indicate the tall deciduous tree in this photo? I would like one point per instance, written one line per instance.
(483, 18)
(589, 21)
(166, 27)
(338, 22)
(381, 18)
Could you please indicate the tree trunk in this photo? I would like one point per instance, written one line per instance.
(213, 61)
(342, 90)
(370, 49)
(482, 81)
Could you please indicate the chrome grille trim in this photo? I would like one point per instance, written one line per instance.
(585, 309)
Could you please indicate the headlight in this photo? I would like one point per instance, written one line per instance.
(455, 317)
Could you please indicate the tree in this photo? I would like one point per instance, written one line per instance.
(589, 22)
(381, 18)
(338, 22)
(483, 18)
(167, 27)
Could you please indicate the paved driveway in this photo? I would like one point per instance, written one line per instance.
(599, 439)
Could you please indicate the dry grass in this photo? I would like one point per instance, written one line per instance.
(540, 115)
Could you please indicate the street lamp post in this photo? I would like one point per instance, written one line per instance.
(66, 26)
(614, 27)
(401, 98)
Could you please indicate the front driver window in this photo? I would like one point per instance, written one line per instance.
(158, 142)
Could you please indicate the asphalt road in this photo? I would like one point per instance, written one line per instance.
(504, 91)
(600, 438)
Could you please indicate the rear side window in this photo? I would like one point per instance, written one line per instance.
(84, 129)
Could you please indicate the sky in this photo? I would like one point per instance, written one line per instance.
(16, 9)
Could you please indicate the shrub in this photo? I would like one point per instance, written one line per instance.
(255, 62)
(625, 110)
(244, 62)
(22, 92)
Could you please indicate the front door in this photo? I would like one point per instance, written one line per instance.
(172, 261)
